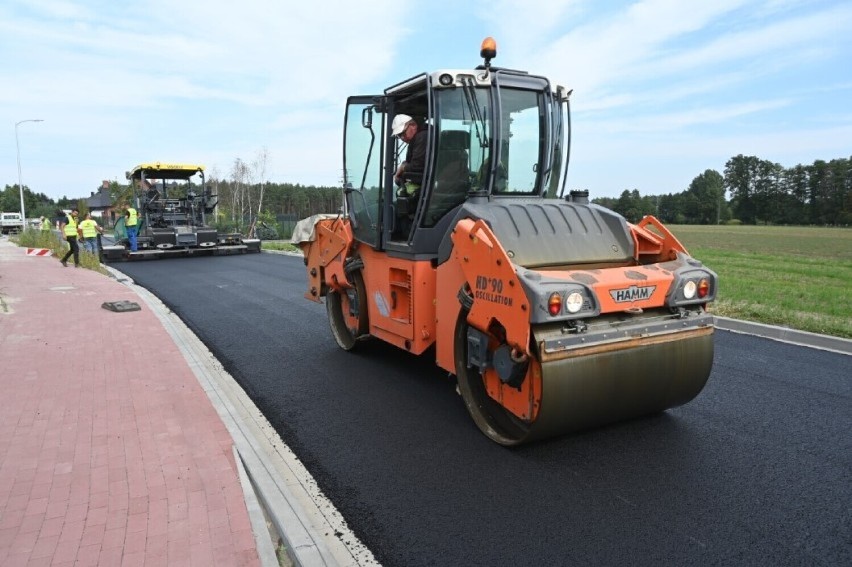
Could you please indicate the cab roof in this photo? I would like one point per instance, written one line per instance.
(160, 170)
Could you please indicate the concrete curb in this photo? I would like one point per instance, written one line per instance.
(313, 531)
(786, 335)
(265, 549)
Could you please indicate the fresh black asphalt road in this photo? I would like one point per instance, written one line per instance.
(755, 471)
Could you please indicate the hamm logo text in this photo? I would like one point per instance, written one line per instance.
(632, 293)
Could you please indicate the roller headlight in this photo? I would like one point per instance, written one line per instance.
(557, 299)
(692, 287)
(574, 302)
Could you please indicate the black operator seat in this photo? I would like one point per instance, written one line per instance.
(452, 173)
(453, 162)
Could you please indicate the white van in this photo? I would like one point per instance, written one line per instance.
(11, 222)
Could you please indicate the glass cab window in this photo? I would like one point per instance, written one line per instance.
(523, 137)
(487, 147)
(362, 168)
(462, 147)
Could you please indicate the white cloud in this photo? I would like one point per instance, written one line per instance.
(120, 83)
(131, 83)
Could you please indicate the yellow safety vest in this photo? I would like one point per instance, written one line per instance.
(132, 218)
(70, 226)
(89, 228)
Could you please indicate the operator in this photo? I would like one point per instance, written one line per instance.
(69, 228)
(405, 128)
(90, 231)
(131, 223)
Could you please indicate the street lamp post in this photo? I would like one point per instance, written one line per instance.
(20, 183)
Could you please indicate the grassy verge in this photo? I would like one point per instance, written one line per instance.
(797, 277)
(52, 241)
(280, 245)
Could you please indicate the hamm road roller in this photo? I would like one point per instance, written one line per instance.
(554, 314)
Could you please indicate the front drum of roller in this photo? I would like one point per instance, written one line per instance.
(598, 389)
(590, 390)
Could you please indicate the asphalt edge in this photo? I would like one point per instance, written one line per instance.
(785, 335)
(276, 477)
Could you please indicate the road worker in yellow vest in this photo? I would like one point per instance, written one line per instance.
(131, 222)
(72, 232)
(90, 230)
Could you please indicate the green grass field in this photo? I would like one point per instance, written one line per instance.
(280, 245)
(798, 277)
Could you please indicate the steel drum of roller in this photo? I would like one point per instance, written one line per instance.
(588, 387)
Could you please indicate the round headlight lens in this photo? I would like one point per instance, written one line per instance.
(574, 302)
(689, 289)
(446, 79)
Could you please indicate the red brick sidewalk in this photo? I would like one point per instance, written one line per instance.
(110, 451)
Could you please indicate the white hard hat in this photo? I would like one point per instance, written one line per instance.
(399, 123)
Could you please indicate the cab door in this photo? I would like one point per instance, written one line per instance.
(362, 167)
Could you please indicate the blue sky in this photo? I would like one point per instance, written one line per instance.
(663, 89)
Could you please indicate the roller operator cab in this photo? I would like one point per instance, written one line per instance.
(175, 211)
(554, 314)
